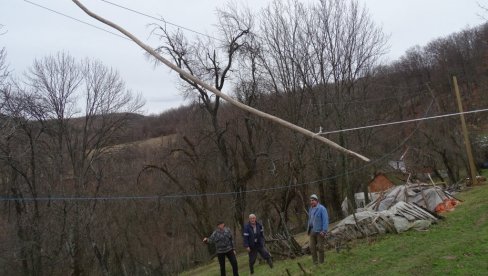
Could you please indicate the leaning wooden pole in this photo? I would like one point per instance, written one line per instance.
(467, 142)
(214, 90)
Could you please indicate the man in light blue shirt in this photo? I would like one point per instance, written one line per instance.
(318, 224)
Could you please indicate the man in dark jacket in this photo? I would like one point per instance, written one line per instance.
(224, 243)
(254, 242)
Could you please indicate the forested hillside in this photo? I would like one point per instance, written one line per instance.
(88, 187)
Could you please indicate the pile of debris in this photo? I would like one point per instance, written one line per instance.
(399, 218)
(398, 209)
(283, 245)
(428, 196)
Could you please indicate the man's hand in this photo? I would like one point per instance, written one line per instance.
(205, 240)
(248, 249)
(323, 233)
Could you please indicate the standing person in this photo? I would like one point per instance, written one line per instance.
(224, 243)
(254, 242)
(318, 224)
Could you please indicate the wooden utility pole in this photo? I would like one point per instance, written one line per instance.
(467, 143)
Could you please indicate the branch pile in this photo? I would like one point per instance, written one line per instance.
(283, 245)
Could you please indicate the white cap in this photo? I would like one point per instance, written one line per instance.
(314, 196)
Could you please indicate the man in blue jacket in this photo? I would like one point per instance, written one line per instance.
(254, 242)
(318, 224)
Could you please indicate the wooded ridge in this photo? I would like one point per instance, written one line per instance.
(90, 186)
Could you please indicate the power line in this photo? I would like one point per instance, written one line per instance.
(402, 122)
(113, 33)
(162, 20)
(75, 19)
(194, 195)
(199, 33)
(178, 196)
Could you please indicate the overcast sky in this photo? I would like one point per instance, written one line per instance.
(33, 32)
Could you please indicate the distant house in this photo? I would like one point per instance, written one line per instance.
(379, 183)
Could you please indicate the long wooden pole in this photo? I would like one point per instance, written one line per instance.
(216, 91)
(467, 143)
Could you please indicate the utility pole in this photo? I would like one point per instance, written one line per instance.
(467, 143)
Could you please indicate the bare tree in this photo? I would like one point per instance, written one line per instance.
(321, 57)
(4, 86)
(214, 64)
(3, 66)
(215, 91)
(56, 153)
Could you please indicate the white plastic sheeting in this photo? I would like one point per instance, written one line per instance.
(425, 195)
(401, 217)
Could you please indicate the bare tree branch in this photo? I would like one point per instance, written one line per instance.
(216, 91)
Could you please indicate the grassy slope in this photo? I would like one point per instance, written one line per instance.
(457, 245)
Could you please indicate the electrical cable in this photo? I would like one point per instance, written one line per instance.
(154, 197)
(402, 122)
(215, 194)
(190, 30)
(76, 19)
(162, 20)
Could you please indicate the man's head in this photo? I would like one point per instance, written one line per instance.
(314, 200)
(252, 218)
(220, 224)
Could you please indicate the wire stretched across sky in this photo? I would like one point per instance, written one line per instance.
(195, 195)
(215, 194)
(162, 20)
(128, 9)
(76, 19)
(402, 122)
(223, 193)
(199, 33)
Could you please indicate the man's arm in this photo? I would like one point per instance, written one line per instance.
(308, 222)
(213, 237)
(232, 242)
(209, 239)
(325, 220)
(327, 216)
(246, 236)
(262, 240)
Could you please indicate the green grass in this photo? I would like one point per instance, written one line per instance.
(484, 173)
(457, 245)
